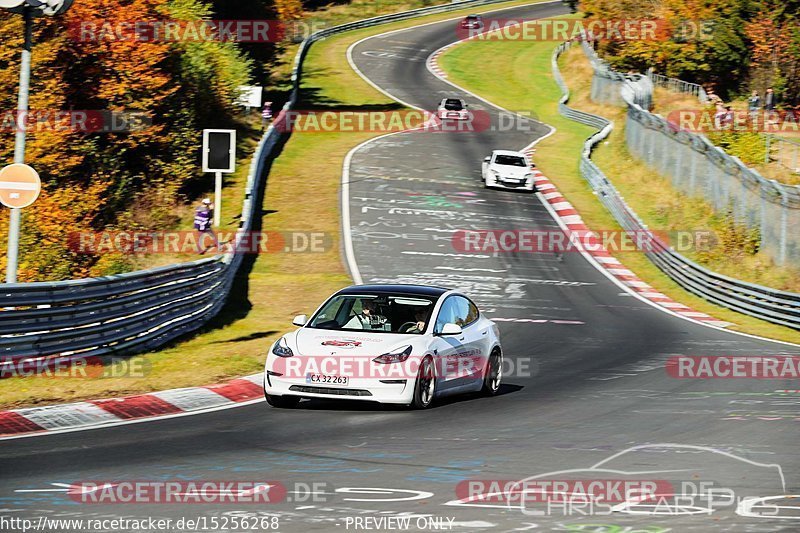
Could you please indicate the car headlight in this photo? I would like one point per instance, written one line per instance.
(496, 174)
(281, 348)
(395, 356)
(529, 176)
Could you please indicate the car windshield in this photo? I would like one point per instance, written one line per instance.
(453, 104)
(473, 18)
(510, 160)
(380, 313)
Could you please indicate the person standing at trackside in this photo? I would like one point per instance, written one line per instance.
(769, 100)
(203, 217)
(754, 106)
(266, 114)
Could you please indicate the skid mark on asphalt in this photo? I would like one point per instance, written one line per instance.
(742, 406)
(657, 362)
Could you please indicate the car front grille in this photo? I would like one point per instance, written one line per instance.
(330, 390)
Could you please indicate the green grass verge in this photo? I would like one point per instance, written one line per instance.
(302, 194)
(523, 82)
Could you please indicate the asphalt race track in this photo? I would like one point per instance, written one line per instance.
(584, 384)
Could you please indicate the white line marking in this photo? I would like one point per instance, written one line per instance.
(18, 186)
(588, 256)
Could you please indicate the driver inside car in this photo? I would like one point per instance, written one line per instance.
(369, 318)
(421, 318)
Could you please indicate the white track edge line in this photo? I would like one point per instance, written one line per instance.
(588, 256)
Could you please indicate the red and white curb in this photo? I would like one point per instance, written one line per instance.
(573, 221)
(116, 411)
(433, 60)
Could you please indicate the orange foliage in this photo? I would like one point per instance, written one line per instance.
(289, 9)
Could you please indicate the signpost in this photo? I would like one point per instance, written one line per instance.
(249, 96)
(219, 155)
(28, 9)
(19, 186)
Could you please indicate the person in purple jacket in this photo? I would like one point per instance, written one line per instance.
(203, 218)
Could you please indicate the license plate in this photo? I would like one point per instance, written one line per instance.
(324, 379)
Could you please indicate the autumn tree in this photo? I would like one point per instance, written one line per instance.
(97, 180)
(774, 36)
(698, 40)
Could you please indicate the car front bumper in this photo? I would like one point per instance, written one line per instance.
(453, 115)
(527, 184)
(392, 391)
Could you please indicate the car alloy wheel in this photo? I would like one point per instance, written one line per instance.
(426, 384)
(494, 373)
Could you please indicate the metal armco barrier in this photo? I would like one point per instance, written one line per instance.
(50, 322)
(699, 168)
(779, 307)
(679, 86)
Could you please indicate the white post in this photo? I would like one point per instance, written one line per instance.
(19, 142)
(217, 199)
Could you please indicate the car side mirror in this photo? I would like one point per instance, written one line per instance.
(451, 329)
(300, 320)
(487, 159)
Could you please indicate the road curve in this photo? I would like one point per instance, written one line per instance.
(587, 380)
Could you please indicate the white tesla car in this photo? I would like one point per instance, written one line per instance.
(398, 344)
(508, 169)
(453, 109)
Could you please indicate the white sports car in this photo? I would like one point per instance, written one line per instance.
(508, 169)
(398, 344)
(453, 109)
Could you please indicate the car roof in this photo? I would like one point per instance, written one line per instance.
(396, 289)
(508, 152)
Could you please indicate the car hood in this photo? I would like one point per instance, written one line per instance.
(509, 171)
(321, 342)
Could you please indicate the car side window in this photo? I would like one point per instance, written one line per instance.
(473, 313)
(462, 311)
(456, 310)
(447, 314)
